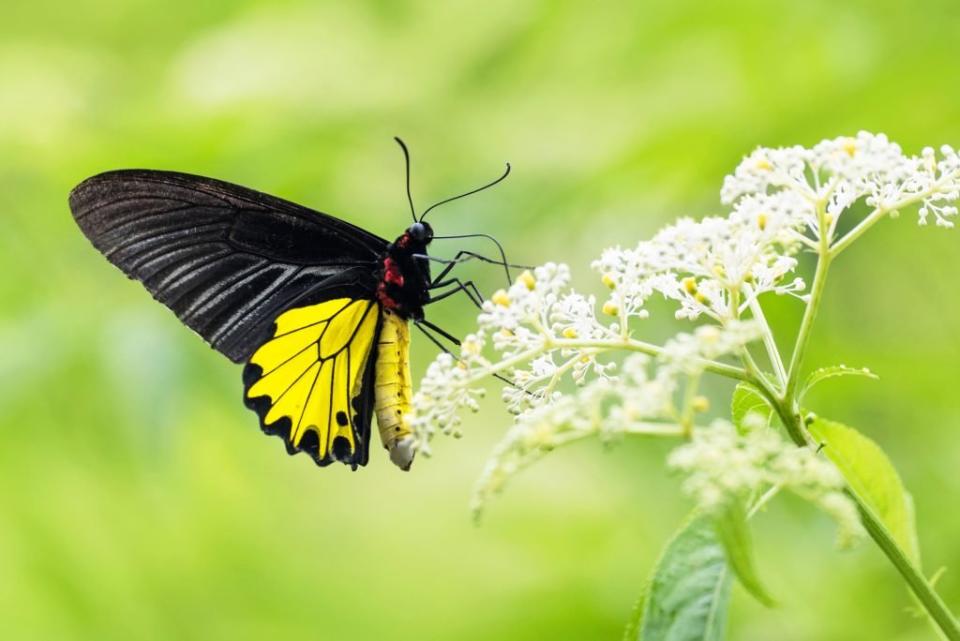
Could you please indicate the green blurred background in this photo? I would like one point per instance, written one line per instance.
(138, 500)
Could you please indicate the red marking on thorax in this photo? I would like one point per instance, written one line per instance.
(391, 276)
(392, 273)
(384, 297)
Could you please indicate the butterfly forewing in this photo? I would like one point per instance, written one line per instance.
(226, 259)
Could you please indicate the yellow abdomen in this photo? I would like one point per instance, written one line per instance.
(393, 389)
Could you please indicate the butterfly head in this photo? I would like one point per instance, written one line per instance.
(420, 233)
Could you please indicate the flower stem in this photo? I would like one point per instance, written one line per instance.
(858, 231)
(654, 429)
(754, 370)
(809, 315)
(631, 345)
(689, 394)
(768, 340)
(880, 212)
(771, 492)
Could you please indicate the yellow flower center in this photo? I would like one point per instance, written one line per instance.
(527, 279)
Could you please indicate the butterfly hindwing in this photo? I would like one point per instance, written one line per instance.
(312, 382)
(226, 259)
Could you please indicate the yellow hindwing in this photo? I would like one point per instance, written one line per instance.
(311, 371)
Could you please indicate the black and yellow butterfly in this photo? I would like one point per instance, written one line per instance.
(317, 308)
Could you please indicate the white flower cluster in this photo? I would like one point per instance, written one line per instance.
(779, 199)
(443, 393)
(531, 329)
(841, 171)
(538, 431)
(722, 464)
(648, 396)
(540, 333)
(688, 352)
(539, 307)
(712, 266)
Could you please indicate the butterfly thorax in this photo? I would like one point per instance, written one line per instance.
(405, 274)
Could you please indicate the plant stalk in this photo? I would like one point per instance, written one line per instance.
(789, 410)
(806, 325)
(918, 583)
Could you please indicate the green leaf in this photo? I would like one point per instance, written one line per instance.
(834, 371)
(871, 475)
(734, 535)
(689, 593)
(747, 399)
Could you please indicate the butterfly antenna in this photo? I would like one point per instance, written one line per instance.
(472, 191)
(406, 159)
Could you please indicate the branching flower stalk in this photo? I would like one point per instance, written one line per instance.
(577, 373)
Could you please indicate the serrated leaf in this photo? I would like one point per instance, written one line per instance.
(822, 374)
(871, 475)
(734, 534)
(746, 400)
(689, 593)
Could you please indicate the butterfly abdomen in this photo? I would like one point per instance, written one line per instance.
(393, 388)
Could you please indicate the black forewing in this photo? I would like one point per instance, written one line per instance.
(226, 259)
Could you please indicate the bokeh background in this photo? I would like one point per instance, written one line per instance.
(138, 499)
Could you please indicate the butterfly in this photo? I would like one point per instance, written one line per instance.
(317, 309)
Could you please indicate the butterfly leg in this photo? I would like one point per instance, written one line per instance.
(439, 330)
(426, 327)
(468, 288)
(464, 255)
(446, 270)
